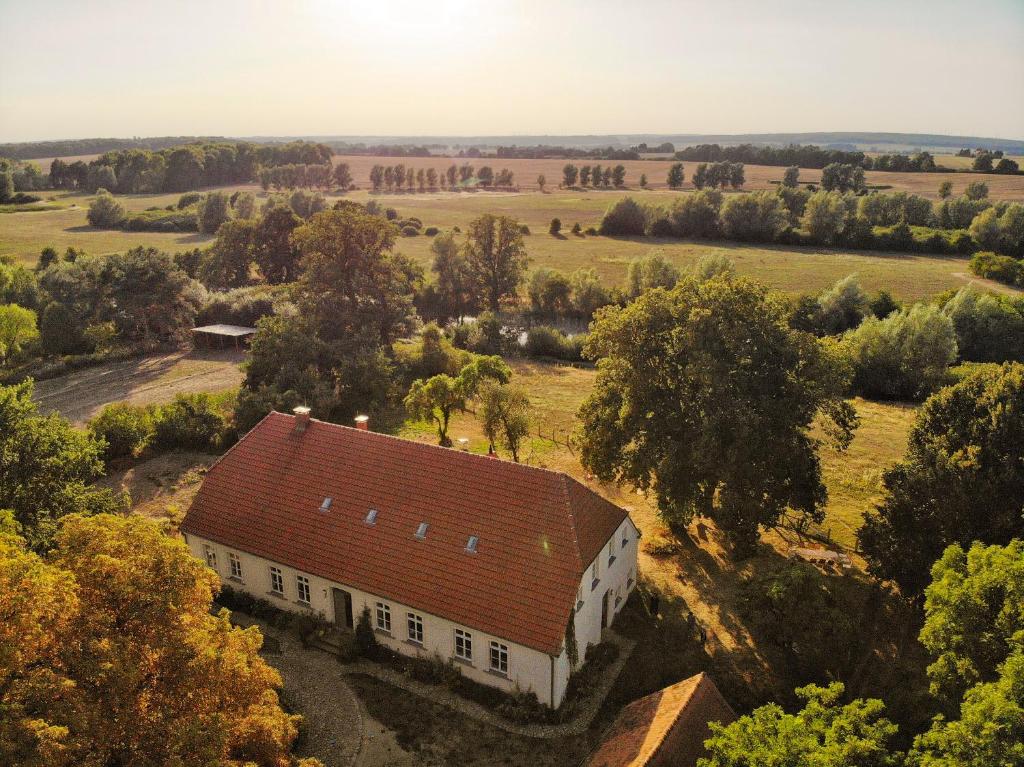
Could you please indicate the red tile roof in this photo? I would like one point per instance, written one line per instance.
(667, 727)
(538, 530)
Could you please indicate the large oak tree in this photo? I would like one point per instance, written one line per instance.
(706, 396)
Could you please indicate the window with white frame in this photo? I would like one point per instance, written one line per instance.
(611, 553)
(211, 557)
(236, 566)
(383, 616)
(415, 626)
(499, 658)
(463, 645)
(595, 574)
(302, 585)
(276, 581)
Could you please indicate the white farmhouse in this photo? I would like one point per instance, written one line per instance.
(473, 558)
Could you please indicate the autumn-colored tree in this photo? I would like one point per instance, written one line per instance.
(109, 656)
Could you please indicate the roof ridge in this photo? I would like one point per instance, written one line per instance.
(427, 446)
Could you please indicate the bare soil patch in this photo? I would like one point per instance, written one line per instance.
(143, 381)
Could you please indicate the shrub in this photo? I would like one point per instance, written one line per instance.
(125, 428)
(591, 231)
(105, 212)
(242, 306)
(390, 214)
(626, 218)
(756, 217)
(576, 228)
(60, 332)
(415, 223)
(188, 199)
(524, 229)
(651, 271)
(213, 211)
(555, 227)
(431, 231)
(696, 215)
(191, 421)
(904, 356)
(161, 220)
(366, 640)
(410, 231)
(545, 341)
(1000, 268)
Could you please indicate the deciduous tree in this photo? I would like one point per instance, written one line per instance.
(965, 445)
(495, 257)
(705, 396)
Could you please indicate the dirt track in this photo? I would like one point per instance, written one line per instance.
(143, 381)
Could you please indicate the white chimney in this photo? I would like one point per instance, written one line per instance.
(301, 418)
(363, 422)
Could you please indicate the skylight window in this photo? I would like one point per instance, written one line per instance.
(371, 517)
(421, 531)
(326, 505)
(471, 544)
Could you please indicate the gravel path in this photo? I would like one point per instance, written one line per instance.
(315, 681)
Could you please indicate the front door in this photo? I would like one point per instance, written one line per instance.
(342, 609)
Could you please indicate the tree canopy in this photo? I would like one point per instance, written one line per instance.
(46, 467)
(109, 655)
(706, 396)
(961, 479)
(822, 734)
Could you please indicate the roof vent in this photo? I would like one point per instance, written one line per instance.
(471, 544)
(301, 418)
(371, 517)
(326, 505)
(421, 531)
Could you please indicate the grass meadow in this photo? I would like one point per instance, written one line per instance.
(787, 268)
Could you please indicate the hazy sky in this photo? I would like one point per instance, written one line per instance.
(70, 68)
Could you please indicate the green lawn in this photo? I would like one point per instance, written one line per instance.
(853, 477)
(791, 269)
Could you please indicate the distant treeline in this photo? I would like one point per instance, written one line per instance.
(183, 168)
(31, 150)
(382, 150)
(809, 156)
(542, 151)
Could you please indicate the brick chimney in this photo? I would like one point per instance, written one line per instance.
(363, 422)
(301, 418)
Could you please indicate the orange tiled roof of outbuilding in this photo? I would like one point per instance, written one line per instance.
(538, 530)
(665, 728)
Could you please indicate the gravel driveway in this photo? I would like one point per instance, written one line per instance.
(315, 683)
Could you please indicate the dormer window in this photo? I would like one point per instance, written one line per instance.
(471, 544)
(325, 505)
(371, 517)
(421, 531)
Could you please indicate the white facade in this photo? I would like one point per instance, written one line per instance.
(492, 660)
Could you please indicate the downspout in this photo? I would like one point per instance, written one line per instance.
(552, 698)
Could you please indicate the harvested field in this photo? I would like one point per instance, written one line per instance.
(757, 176)
(79, 396)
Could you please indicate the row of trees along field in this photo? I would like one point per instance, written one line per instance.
(398, 178)
(748, 380)
(182, 168)
(790, 215)
(809, 156)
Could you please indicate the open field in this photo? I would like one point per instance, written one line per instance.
(144, 381)
(757, 176)
(791, 269)
(965, 163)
